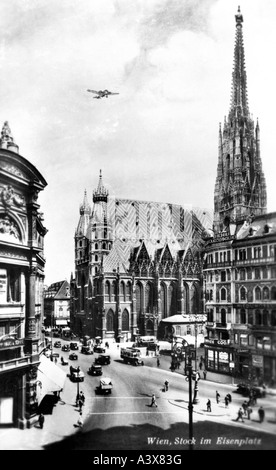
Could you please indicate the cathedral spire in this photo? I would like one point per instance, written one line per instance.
(239, 101)
(240, 188)
(6, 139)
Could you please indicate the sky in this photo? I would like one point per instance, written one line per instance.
(171, 63)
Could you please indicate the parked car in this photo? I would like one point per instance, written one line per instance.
(73, 357)
(105, 386)
(95, 370)
(65, 347)
(56, 334)
(76, 374)
(99, 349)
(74, 346)
(102, 359)
(245, 389)
(57, 344)
(86, 350)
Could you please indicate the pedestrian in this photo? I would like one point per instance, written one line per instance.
(80, 404)
(204, 374)
(80, 420)
(41, 420)
(261, 413)
(166, 385)
(217, 396)
(200, 365)
(240, 415)
(245, 406)
(153, 401)
(226, 400)
(229, 397)
(82, 397)
(209, 405)
(158, 362)
(249, 411)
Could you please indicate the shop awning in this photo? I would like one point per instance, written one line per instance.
(50, 378)
(61, 322)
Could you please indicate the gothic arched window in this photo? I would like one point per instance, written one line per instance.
(149, 298)
(223, 293)
(107, 290)
(257, 293)
(163, 301)
(139, 301)
(242, 294)
(125, 320)
(110, 320)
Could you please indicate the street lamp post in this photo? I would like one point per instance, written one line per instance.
(195, 399)
(188, 368)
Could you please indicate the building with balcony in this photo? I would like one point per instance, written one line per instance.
(22, 264)
(57, 305)
(240, 261)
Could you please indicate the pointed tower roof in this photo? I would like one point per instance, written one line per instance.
(100, 194)
(239, 101)
(85, 207)
(85, 211)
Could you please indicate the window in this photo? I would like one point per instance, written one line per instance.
(223, 294)
(250, 318)
(107, 290)
(251, 340)
(242, 274)
(242, 294)
(96, 257)
(273, 318)
(265, 318)
(257, 293)
(243, 316)
(249, 273)
(125, 320)
(265, 273)
(265, 293)
(258, 317)
(13, 285)
(273, 293)
(223, 276)
(257, 273)
(243, 340)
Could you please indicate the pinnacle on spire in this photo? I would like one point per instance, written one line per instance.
(100, 194)
(85, 206)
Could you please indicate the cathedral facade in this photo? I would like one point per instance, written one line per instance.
(136, 263)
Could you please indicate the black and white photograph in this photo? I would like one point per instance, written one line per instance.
(137, 228)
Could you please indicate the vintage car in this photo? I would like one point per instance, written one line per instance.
(86, 350)
(74, 346)
(102, 359)
(76, 374)
(99, 349)
(246, 390)
(105, 386)
(57, 344)
(95, 369)
(65, 347)
(73, 357)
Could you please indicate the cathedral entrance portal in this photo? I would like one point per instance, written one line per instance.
(149, 328)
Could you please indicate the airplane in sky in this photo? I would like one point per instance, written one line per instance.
(102, 93)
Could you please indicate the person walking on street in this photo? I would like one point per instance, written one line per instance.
(209, 405)
(82, 397)
(240, 415)
(204, 374)
(166, 386)
(153, 401)
(217, 396)
(245, 406)
(249, 411)
(226, 400)
(158, 362)
(80, 420)
(261, 413)
(229, 397)
(41, 420)
(200, 365)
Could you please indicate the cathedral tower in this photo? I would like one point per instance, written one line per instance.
(240, 189)
(100, 228)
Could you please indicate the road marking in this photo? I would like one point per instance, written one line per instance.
(132, 412)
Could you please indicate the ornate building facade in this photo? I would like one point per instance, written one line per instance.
(21, 283)
(239, 270)
(136, 263)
